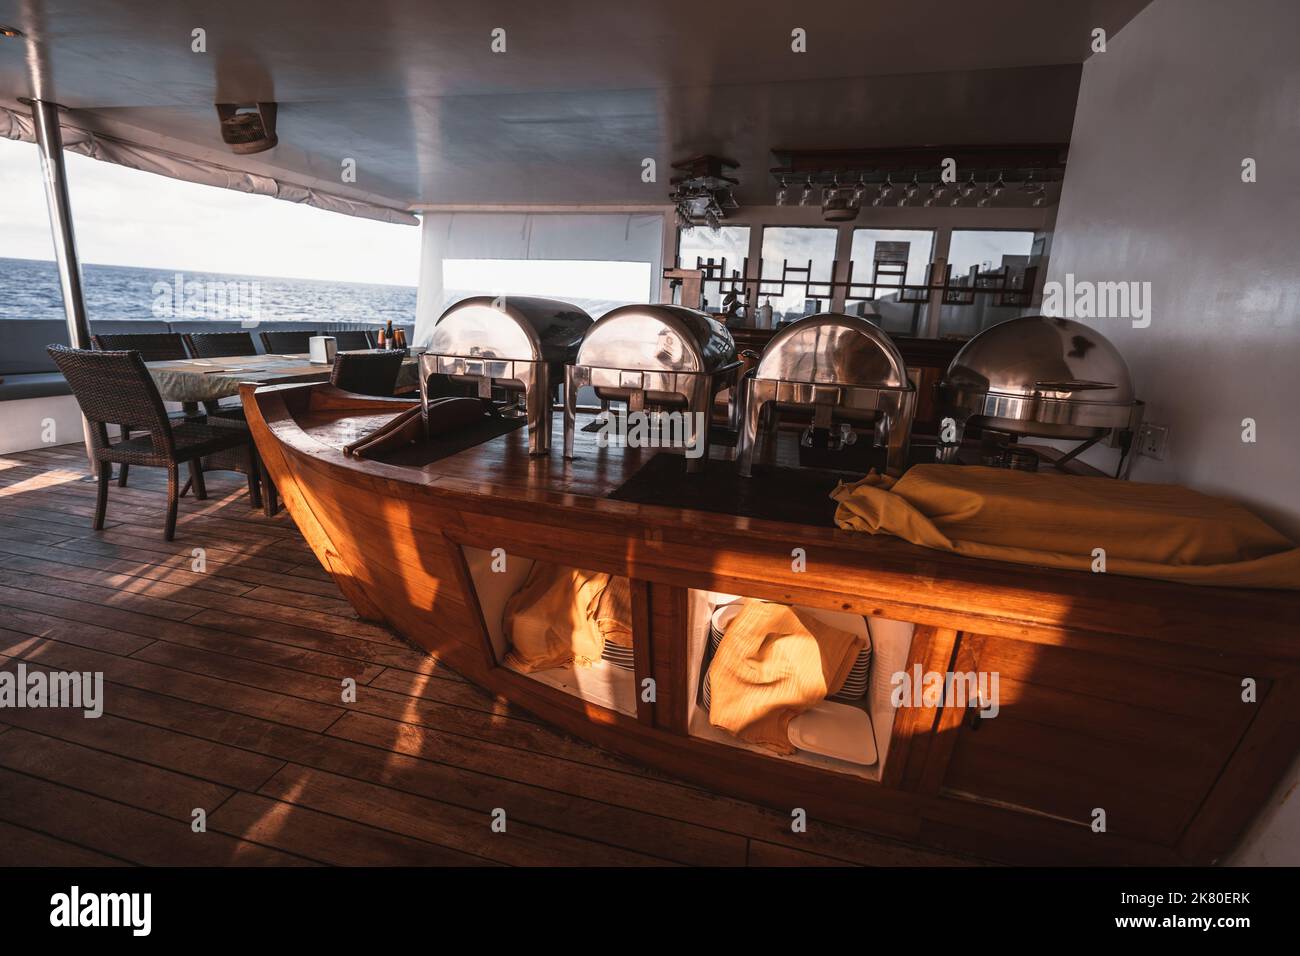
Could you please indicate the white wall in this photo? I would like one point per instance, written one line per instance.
(23, 423)
(1153, 192)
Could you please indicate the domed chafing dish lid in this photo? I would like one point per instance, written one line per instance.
(514, 328)
(1041, 371)
(833, 349)
(1039, 355)
(659, 338)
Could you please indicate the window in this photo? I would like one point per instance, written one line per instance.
(804, 257)
(726, 246)
(593, 286)
(891, 257)
(139, 233)
(597, 261)
(29, 281)
(989, 255)
(986, 249)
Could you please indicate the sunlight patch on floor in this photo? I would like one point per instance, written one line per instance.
(55, 476)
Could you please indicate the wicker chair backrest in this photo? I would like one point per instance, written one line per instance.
(352, 340)
(218, 344)
(366, 373)
(287, 343)
(114, 388)
(152, 346)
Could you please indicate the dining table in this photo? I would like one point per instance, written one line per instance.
(196, 381)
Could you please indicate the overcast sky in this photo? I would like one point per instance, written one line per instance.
(126, 217)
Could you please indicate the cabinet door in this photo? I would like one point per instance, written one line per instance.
(1077, 731)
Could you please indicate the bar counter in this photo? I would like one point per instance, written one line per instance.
(1127, 729)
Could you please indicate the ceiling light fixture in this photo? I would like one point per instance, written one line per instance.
(13, 32)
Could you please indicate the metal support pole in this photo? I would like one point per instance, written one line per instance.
(939, 265)
(49, 141)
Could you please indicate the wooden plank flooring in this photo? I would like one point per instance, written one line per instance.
(223, 693)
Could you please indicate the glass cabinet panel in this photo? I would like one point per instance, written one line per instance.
(890, 259)
(804, 256)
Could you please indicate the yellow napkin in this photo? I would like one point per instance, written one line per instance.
(1055, 520)
(564, 615)
(774, 663)
(612, 611)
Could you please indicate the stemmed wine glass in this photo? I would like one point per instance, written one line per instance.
(806, 196)
(886, 188)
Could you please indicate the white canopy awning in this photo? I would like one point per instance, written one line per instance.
(16, 124)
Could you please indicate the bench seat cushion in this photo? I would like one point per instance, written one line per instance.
(34, 385)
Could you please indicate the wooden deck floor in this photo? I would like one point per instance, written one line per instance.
(223, 693)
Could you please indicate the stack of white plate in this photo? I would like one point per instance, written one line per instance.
(855, 685)
(723, 615)
(618, 656)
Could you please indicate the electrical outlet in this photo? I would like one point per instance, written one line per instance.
(1152, 440)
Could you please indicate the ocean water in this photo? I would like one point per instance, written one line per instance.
(29, 289)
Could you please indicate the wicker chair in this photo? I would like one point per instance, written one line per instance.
(287, 343)
(352, 340)
(153, 347)
(115, 388)
(220, 344)
(204, 345)
(224, 345)
(367, 373)
(243, 460)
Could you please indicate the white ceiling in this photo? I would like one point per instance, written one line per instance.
(584, 92)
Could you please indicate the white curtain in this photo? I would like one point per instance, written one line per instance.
(595, 237)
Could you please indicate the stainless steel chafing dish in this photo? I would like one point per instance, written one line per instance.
(519, 343)
(654, 356)
(1039, 376)
(841, 370)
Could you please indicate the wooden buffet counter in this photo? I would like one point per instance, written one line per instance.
(1116, 694)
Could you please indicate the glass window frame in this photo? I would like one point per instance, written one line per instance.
(830, 295)
(985, 311)
(738, 265)
(955, 230)
(941, 241)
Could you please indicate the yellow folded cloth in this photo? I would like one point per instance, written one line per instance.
(612, 612)
(562, 615)
(1146, 530)
(774, 663)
